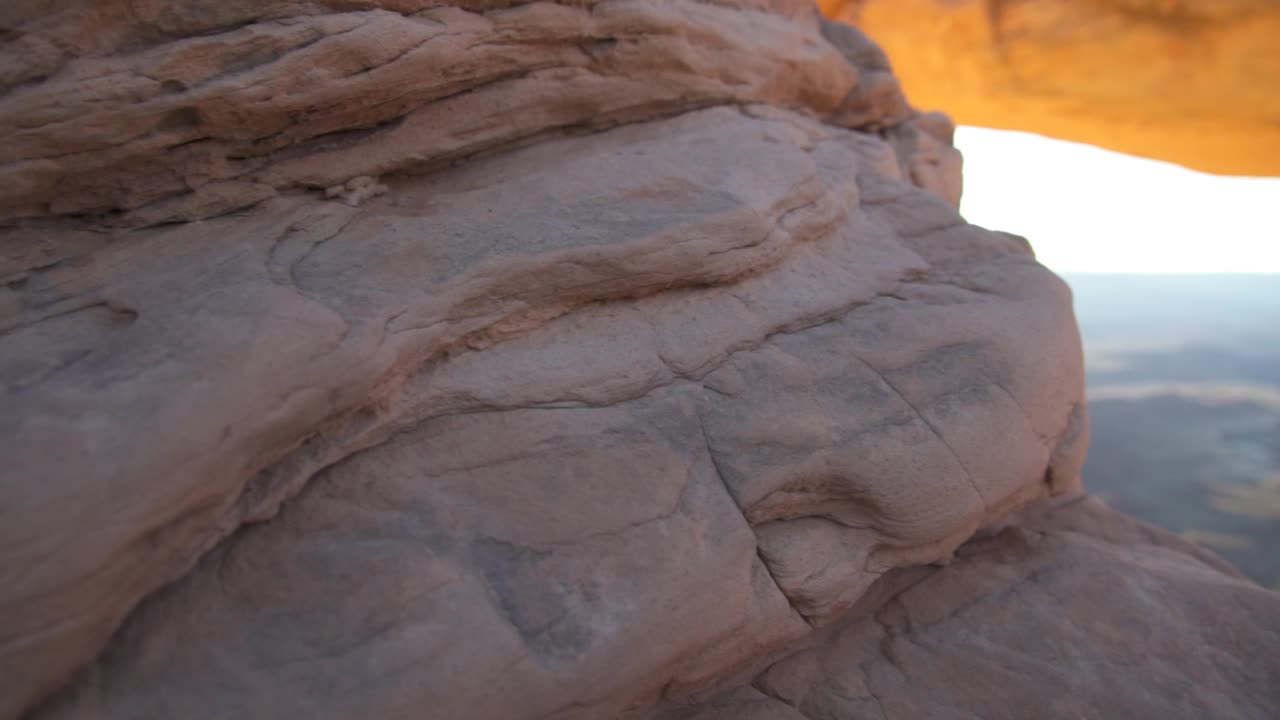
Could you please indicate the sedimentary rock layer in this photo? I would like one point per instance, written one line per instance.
(186, 110)
(551, 396)
(614, 374)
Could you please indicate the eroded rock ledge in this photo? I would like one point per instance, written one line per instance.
(179, 111)
(690, 351)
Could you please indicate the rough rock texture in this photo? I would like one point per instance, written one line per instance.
(185, 110)
(690, 351)
(1068, 612)
(1188, 81)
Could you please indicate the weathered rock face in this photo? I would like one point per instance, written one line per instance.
(1066, 612)
(689, 352)
(196, 108)
(1191, 82)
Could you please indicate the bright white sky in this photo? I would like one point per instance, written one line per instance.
(1085, 209)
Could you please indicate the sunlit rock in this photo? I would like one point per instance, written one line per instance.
(1191, 82)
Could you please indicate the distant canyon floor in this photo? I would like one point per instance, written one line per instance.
(1184, 386)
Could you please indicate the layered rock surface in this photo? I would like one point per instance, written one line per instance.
(484, 360)
(196, 108)
(1191, 81)
(1065, 611)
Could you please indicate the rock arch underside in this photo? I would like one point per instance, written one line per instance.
(480, 359)
(1185, 81)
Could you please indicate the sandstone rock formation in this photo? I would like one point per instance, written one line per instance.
(1188, 81)
(1066, 612)
(489, 360)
